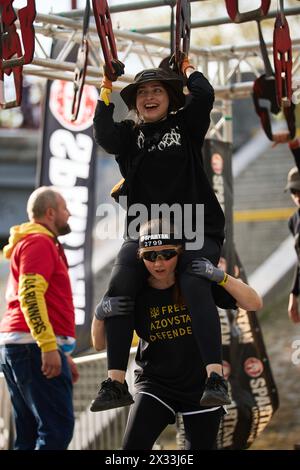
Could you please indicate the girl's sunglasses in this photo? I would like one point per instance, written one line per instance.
(164, 254)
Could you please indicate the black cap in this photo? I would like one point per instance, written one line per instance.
(169, 78)
(293, 179)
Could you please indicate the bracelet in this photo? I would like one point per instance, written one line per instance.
(222, 283)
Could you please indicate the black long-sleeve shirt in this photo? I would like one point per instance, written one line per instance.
(294, 226)
(170, 169)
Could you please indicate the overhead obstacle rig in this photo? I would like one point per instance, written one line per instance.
(15, 50)
(69, 27)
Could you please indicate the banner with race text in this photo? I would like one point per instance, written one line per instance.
(245, 361)
(67, 161)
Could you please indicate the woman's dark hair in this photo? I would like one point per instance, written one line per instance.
(174, 100)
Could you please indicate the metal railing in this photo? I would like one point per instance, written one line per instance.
(93, 431)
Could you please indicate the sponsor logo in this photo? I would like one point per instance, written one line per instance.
(217, 163)
(253, 367)
(60, 102)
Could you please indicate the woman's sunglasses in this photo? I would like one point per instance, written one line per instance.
(164, 254)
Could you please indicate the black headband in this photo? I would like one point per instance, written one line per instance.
(158, 239)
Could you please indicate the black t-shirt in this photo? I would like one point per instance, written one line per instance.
(168, 357)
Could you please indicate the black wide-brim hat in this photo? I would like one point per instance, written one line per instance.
(170, 79)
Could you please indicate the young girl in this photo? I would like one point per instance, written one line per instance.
(171, 374)
(163, 150)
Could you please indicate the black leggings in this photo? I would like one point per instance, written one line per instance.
(148, 417)
(128, 277)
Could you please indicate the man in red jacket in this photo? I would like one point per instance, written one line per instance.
(37, 332)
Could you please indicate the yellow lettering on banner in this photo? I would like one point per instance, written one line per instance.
(170, 308)
(176, 308)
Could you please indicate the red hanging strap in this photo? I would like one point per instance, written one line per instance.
(26, 17)
(183, 29)
(232, 7)
(282, 50)
(10, 46)
(81, 64)
(12, 58)
(182, 36)
(113, 67)
(264, 91)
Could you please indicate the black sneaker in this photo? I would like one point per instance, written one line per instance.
(112, 394)
(215, 392)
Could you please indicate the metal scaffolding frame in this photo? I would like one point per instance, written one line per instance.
(223, 65)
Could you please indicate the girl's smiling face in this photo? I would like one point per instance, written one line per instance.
(152, 101)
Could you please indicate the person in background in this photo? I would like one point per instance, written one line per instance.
(171, 373)
(293, 186)
(37, 332)
(159, 155)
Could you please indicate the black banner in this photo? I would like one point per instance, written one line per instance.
(245, 361)
(68, 162)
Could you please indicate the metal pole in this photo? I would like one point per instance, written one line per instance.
(143, 39)
(216, 22)
(130, 7)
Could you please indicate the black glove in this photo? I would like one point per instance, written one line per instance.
(118, 67)
(204, 268)
(113, 306)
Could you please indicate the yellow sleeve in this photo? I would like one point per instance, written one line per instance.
(32, 288)
(135, 339)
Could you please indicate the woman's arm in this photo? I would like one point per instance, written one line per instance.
(246, 297)
(98, 334)
(199, 102)
(114, 137)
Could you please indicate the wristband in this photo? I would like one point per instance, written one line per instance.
(222, 283)
(106, 83)
(104, 95)
(186, 65)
